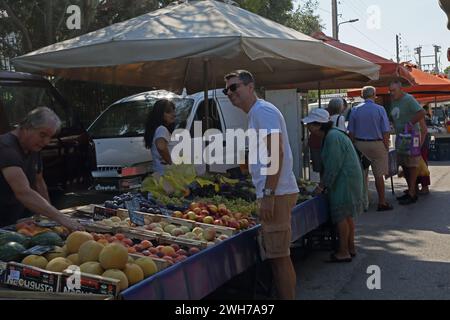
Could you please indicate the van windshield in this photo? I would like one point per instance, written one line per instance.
(127, 119)
(16, 100)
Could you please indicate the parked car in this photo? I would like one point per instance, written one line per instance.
(67, 159)
(123, 160)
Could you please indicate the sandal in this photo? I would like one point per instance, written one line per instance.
(385, 207)
(334, 259)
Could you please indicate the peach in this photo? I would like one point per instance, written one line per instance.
(208, 220)
(146, 244)
(168, 250)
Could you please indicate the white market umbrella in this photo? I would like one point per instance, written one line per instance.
(192, 45)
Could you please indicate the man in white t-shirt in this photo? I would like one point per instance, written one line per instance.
(275, 183)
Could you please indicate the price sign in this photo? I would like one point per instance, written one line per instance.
(101, 213)
(135, 217)
(38, 250)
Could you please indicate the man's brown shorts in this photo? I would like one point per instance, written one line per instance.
(377, 154)
(276, 233)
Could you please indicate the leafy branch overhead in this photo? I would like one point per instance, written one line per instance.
(27, 25)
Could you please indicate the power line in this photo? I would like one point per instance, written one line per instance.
(356, 10)
(378, 45)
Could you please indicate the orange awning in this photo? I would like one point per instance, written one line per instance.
(427, 85)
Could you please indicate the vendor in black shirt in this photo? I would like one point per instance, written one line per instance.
(22, 186)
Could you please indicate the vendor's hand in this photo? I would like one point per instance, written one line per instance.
(70, 224)
(266, 208)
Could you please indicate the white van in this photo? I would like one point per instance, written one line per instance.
(122, 159)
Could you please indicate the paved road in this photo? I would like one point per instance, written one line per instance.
(411, 245)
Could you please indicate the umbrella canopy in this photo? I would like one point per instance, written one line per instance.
(427, 85)
(168, 48)
(389, 71)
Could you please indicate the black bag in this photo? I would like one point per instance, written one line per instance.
(362, 158)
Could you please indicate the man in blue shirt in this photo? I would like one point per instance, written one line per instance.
(370, 131)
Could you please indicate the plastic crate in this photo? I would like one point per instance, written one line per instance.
(434, 155)
(444, 152)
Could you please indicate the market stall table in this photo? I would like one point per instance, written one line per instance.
(205, 272)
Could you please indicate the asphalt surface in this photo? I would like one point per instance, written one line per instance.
(410, 245)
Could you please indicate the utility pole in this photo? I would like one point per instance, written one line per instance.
(334, 13)
(397, 41)
(437, 50)
(419, 53)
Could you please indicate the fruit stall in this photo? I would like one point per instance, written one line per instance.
(172, 240)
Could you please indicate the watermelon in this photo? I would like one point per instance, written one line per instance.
(47, 239)
(10, 236)
(11, 251)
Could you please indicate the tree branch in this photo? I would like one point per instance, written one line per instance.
(20, 25)
(63, 16)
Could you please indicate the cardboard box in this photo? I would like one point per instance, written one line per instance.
(82, 283)
(31, 278)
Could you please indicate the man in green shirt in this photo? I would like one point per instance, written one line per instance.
(405, 109)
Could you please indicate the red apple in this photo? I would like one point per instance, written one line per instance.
(218, 222)
(193, 251)
(175, 246)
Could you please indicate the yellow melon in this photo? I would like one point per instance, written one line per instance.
(147, 265)
(113, 256)
(130, 259)
(119, 275)
(89, 251)
(57, 252)
(74, 258)
(35, 261)
(76, 239)
(58, 264)
(134, 273)
(92, 267)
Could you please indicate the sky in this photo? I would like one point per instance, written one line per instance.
(419, 22)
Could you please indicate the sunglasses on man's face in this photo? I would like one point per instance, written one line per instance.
(233, 87)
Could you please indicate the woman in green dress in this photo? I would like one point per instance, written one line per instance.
(342, 179)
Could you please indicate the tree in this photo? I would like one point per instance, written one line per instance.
(447, 70)
(304, 19)
(27, 25)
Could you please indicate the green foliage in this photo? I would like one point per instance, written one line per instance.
(27, 25)
(304, 19)
(447, 70)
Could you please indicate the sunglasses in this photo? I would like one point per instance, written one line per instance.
(231, 88)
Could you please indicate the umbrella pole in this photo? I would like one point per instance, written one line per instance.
(319, 92)
(206, 103)
(205, 92)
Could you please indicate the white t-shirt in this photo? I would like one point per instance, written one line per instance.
(340, 124)
(161, 132)
(264, 115)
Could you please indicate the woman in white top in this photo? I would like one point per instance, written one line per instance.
(158, 129)
(336, 108)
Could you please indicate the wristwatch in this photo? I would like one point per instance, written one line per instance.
(268, 192)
